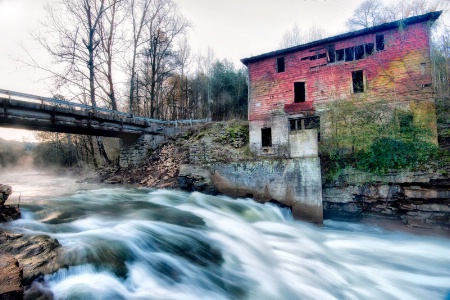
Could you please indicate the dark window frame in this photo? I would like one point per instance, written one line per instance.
(304, 123)
(349, 54)
(331, 53)
(266, 137)
(358, 82)
(359, 52)
(379, 42)
(299, 91)
(281, 64)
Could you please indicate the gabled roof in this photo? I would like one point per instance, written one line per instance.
(431, 16)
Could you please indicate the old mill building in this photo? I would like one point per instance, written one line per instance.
(288, 88)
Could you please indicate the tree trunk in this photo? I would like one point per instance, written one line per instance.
(102, 150)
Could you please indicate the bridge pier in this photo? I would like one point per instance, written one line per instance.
(134, 151)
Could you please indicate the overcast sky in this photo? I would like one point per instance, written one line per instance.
(234, 29)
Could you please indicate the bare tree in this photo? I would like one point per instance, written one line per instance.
(110, 40)
(183, 61)
(140, 15)
(158, 55)
(73, 28)
(369, 13)
(295, 36)
(373, 12)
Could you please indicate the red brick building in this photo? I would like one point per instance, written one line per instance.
(288, 87)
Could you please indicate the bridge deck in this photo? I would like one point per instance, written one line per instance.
(19, 110)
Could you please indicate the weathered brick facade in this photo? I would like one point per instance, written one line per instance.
(390, 61)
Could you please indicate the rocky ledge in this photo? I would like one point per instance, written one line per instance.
(419, 199)
(24, 258)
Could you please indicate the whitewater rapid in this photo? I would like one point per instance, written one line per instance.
(130, 243)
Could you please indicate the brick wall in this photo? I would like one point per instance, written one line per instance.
(401, 72)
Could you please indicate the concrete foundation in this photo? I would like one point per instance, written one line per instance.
(294, 182)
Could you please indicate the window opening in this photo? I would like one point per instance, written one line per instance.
(358, 81)
(266, 137)
(280, 64)
(311, 123)
(359, 52)
(299, 92)
(331, 55)
(349, 53)
(380, 42)
(304, 123)
(369, 48)
(292, 125)
(340, 55)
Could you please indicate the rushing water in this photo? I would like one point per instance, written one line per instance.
(161, 244)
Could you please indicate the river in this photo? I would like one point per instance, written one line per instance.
(167, 244)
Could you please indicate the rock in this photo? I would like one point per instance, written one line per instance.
(9, 213)
(10, 277)
(37, 255)
(341, 211)
(5, 191)
(195, 178)
(434, 207)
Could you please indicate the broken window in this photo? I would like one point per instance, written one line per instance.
(280, 64)
(369, 48)
(349, 53)
(304, 123)
(379, 42)
(359, 52)
(340, 55)
(266, 137)
(358, 81)
(299, 92)
(331, 55)
(311, 123)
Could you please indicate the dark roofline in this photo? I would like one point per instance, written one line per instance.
(431, 16)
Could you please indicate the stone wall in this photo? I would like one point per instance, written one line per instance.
(292, 182)
(132, 153)
(420, 199)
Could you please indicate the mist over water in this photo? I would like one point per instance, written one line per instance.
(131, 243)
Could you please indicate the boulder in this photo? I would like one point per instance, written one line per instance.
(10, 277)
(9, 213)
(5, 191)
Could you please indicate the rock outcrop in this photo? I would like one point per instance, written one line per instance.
(420, 199)
(37, 255)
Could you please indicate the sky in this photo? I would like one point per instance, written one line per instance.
(234, 29)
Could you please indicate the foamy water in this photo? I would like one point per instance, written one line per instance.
(160, 244)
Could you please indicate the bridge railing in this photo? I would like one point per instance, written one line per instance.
(79, 106)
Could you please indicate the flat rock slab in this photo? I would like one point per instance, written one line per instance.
(10, 277)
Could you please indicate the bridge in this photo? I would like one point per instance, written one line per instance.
(138, 134)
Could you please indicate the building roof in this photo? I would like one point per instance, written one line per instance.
(431, 16)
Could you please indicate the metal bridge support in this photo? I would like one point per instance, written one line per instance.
(133, 152)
